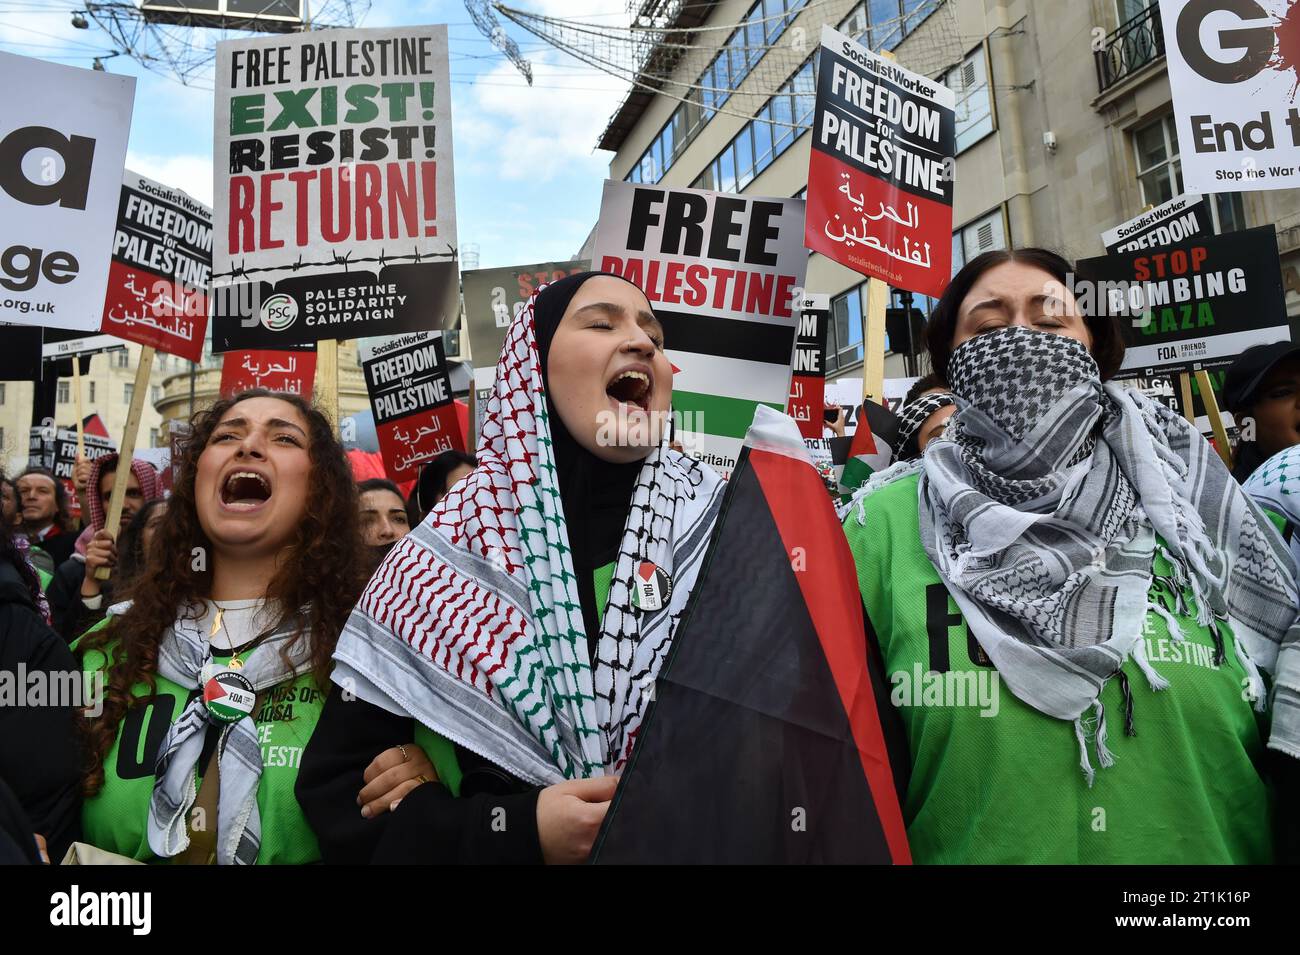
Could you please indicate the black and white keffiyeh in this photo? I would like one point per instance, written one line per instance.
(1042, 507)
(1275, 484)
(182, 654)
(913, 417)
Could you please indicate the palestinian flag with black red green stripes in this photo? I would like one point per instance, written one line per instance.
(728, 368)
(771, 737)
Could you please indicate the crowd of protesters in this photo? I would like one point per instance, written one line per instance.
(1050, 528)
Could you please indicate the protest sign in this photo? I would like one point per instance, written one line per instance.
(808, 382)
(162, 264)
(335, 211)
(880, 182)
(291, 371)
(1232, 73)
(847, 393)
(722, 274)
(410, 396)
(484, 382)
(59, 344)
(65, 450)
(493, 297)
(1184, 217)
(62, 145)
(20, 353)
(40, 448)
(1190, 306)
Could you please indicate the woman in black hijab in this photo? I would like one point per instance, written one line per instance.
(507, 621)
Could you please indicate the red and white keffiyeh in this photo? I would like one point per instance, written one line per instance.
(473, 625)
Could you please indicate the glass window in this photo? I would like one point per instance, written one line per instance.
(92, 392)
(1229, 213)
(64, 392)
(755, 42)
(974, 113)
(1160, 174)
(772, 10)
(2, 392)
(846, 310)
(666, 142)
(744, 147)
(886, 24)
(782, 111)
(727, 171)
(982, 235)
(805, 90)
(762, 141)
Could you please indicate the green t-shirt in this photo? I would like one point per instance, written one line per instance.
(114, 819)
(996, 781)
(44, 578)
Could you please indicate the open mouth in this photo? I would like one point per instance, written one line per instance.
(245, 490)
(631, 387)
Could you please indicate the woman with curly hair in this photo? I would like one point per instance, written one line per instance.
(215, 669)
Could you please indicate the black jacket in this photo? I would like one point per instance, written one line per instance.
(60, 546)
(71, 617)
(40, 757)
(430, 826)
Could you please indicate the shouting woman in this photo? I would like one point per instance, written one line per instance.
(215, 670)
(506, 623)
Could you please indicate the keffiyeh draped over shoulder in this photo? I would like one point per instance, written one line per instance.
(1276, 486)
(1042, 508)
(473, 624)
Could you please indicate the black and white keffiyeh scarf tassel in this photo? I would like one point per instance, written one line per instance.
(1097, 724)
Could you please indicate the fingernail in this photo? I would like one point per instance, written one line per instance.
(365, 812)
(358, 800)
(393, 805)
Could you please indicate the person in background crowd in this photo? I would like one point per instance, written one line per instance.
(78, 598)
(46, 520)
(383, 512)
(248, 582)
(575, 488)
(137, 541)
(925, 413)
(384, 519)
(39, 757)
(1085, 557)
(11, 512)
(1262, 389)
(437, 478)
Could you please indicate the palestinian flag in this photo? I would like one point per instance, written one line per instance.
(729, 368)
(871, 450)
(767, 739)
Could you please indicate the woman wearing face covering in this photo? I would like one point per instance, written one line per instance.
(1073, 600)
(506, 622)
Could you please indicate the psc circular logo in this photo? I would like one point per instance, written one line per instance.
(279, 312)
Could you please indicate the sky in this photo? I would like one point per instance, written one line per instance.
(528, 175)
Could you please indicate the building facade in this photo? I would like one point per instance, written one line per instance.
(107, 391)
(1064, 124)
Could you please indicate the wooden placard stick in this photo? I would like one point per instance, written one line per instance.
(1216, 418)
(1185, 389)
(126, 450)
(873, 359)
(76, 387)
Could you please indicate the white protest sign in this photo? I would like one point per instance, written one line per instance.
(1233, 69)
(62, 150)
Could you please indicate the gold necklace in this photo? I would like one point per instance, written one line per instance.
(218, 624)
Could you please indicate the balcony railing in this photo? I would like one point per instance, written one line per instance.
(1135, 44)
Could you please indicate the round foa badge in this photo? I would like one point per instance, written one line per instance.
(652, 587)
(229, 696)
